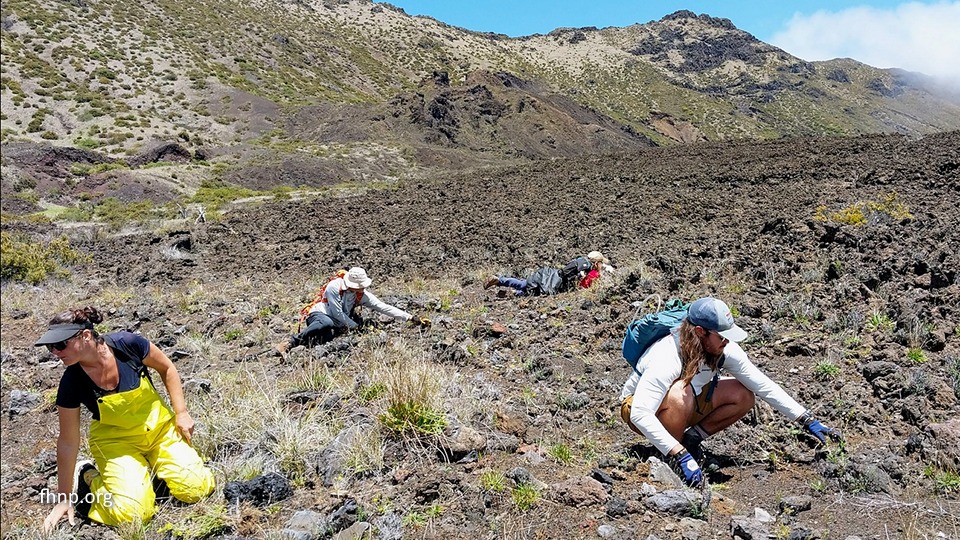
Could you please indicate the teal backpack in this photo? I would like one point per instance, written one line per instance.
(645, 331)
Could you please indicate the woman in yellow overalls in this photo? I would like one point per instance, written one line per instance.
(133, 435)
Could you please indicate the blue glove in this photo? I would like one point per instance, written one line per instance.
(821, 431)
(691, 470)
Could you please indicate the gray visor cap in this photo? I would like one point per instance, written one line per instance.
(60, 332)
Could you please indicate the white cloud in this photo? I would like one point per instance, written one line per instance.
(911, 36)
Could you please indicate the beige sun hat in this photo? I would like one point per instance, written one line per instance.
(597, 257)
(357, 278)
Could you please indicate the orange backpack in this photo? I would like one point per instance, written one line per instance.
(319, 298)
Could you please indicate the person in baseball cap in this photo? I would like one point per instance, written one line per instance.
(676, 397)
(712, 314)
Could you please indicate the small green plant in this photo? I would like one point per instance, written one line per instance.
(524, 496)
(415, 519)
(916, 356)
(446, 299)
(418, 519)
(825, 370)
(207, 521)
(591, 450)
(383, 503)
(493, 481)
(268, 311)
(864, 482)
(953, 370)
(947, 481)
(698, 510)
(773, 459)
(879, 322)
(818, 485)
(416, 417)
(528, 395)
(781, 531)
(231, 335)
(371, 392)
(561, 453)
(838, 455)
(852, 341)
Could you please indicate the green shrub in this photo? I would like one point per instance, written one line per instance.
(412, 416)
(826, 370)
(371, 392)
(947, 481)
(524, 496)
(115, 212)
(916, 356)
(493, 481)
(856, 214)
(33, 262)
(561, 453)
(213, 195)
(880, 322)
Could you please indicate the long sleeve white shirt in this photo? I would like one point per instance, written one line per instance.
(338, 301)
(660, 367)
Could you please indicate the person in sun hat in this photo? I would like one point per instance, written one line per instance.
(676, 397)
(134, 434)
(580, 273)
(333, 309)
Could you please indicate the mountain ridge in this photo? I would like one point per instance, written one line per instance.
(234, 80)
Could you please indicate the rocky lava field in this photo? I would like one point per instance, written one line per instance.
(840, 257)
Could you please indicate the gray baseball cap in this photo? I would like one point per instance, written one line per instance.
(713, 314)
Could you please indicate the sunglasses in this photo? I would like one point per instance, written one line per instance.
(718, 335)
(60, 345)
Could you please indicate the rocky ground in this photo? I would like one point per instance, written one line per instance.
(839, 256)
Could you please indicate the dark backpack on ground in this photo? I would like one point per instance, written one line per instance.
(571, 272)
(545, 281)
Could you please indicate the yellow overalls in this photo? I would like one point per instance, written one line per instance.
(136, 437)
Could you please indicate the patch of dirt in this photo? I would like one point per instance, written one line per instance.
(738, 221)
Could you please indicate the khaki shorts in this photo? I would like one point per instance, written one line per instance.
(703, 408)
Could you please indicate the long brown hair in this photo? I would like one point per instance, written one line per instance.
(692, 355)
(87, 315)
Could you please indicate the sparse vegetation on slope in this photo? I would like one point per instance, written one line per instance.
(500, 420)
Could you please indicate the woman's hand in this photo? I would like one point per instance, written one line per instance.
(185, 426)
(56, 514)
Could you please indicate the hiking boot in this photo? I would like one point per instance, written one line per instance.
(85, 472)
(282, 348)
(491, 282)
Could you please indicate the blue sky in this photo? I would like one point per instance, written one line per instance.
(920, 36)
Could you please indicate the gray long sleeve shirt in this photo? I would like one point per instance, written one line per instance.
(338, 301)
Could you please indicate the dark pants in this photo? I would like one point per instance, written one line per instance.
(320, 329)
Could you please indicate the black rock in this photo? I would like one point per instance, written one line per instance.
(260, 491)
